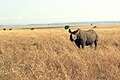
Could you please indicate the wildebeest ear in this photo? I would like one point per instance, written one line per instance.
(70, 31)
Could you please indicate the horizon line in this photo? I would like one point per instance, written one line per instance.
(55, 23)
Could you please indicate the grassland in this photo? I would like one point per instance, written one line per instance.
(49, 55)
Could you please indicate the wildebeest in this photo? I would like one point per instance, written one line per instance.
(83, 38)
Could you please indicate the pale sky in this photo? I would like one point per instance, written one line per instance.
(55, 11)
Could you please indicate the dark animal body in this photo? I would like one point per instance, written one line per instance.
(84, 38)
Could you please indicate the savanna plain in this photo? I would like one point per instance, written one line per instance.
(48, 54)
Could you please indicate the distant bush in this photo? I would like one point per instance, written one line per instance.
(32, 28)
(4, 29)
(10, 29)
(95, 27)
(67, 26)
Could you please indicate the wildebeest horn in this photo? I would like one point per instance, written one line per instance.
(70, 31)
(74, 32)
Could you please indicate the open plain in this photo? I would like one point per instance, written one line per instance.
(48, 54)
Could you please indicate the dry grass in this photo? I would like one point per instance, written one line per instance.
(49, 55)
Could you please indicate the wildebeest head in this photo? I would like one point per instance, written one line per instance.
(73, 35)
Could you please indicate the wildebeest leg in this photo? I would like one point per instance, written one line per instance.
(91, 45)
(77, 44)
(95, 42)
(83, 45)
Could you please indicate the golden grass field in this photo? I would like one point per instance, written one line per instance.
(48, 54)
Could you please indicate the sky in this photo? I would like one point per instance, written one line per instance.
(58, 11)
